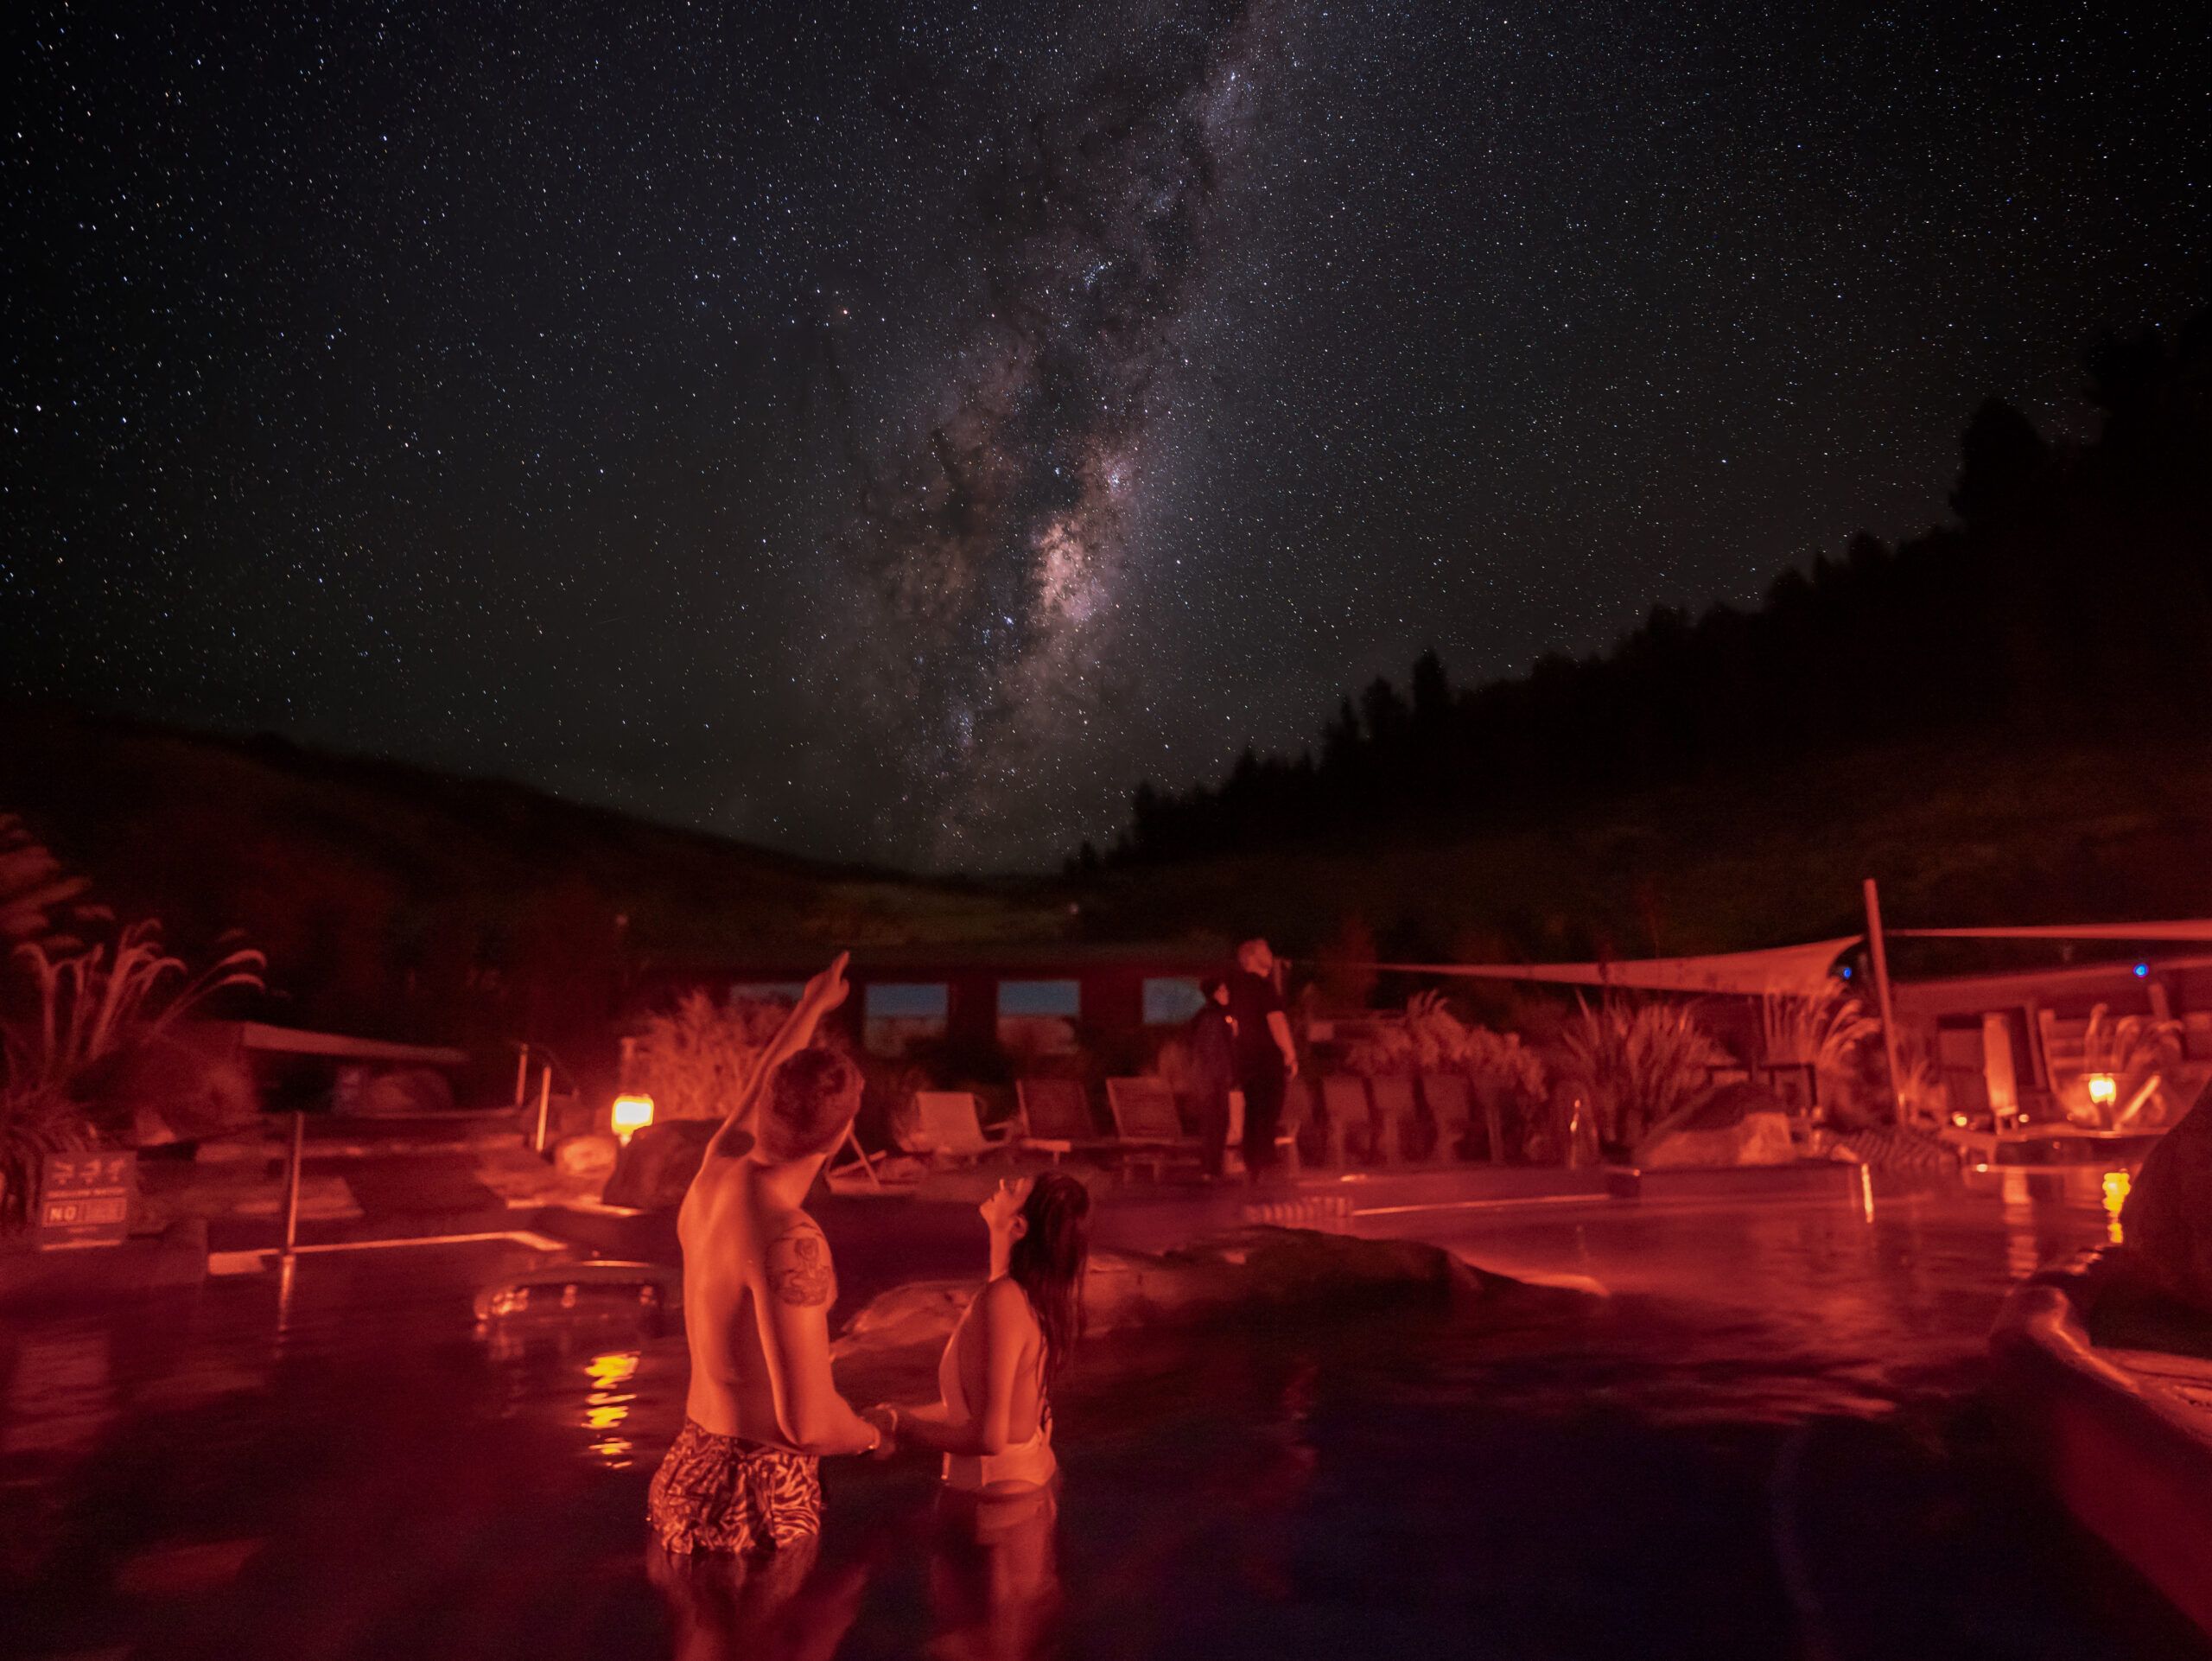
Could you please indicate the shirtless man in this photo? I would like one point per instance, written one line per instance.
(744, 1474)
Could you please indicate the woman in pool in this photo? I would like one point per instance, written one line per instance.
(993, 1421)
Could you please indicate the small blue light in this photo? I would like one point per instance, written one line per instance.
(2142, 971)
(1845, 971)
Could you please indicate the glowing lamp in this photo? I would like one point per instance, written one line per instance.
(631, 1115)
(2104, 1088)
(2142, 971)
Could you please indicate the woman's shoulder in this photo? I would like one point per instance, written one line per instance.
(1003, 1301)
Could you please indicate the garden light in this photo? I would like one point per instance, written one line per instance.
(632, 1114)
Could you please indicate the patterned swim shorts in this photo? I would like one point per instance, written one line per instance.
(724, 1493)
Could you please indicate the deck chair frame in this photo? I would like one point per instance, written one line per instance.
(955, 1111)
(1166, 1139)
(1051, 1133)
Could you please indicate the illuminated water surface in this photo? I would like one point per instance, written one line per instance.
(1768, 1440)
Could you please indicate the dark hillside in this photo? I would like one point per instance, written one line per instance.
(2066, 607)
(1956, 833)
(398, 901)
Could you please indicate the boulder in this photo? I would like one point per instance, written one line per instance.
(654, 1170)
(1736, 1124)
(170, 1090)
(405, 1092)
(920, 1312)
(2167, 1220)
(594, 1153)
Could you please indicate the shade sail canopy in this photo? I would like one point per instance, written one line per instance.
(2185, 928)
(1785, 971)
(1782, 970)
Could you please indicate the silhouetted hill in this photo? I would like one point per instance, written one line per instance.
(2068, 608)
(394, 900)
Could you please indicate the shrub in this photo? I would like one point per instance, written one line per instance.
(71, 1024)
(695, 1059)
(1635, 1063)
(1827, 1032)
(1432, 1039)
(34, 889)
(2136, 1050)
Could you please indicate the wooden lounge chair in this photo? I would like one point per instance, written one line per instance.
(1056, 1118)
(1393, 1117)
(948, 1126)
(1148, 1122)
(1343, 1103)
(845, 1157)
(1452, 1108)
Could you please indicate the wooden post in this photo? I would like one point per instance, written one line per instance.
(292, 1183)
(544, 1101)
(522, 1076)
(1881, 958)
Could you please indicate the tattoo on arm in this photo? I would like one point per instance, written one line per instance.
(799, 1271)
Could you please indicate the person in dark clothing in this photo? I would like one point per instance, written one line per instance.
(1266, 1059)
(1213, 1070)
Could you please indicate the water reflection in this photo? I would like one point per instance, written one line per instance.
(2022, 1256)
(994, 1578)
(774, 1607)
(608, 1404)
(59, 1394)
(2116, 1186)
(1386, 1485)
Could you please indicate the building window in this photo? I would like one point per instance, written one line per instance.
(900, 1012)
(1040, 998)
(1169, 1000)
(1038, 1017)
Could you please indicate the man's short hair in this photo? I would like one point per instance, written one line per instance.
(812, 1099)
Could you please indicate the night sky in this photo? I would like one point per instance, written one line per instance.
(890, 431)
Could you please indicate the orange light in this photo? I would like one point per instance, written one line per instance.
(2104, 1089)
(2117, 1184)
(631, 1115)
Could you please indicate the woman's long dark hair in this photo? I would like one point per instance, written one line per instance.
(1047, 1263)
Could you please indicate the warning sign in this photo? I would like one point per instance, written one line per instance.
(85, 1200)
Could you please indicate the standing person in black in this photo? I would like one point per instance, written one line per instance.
(1266, 1059)
(1213, 1070)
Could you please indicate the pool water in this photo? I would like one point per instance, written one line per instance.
(1768, 1441)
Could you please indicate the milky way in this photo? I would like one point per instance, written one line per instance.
(996, 554)
(890, 429)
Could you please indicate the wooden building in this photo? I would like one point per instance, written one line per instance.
(2010, 1045)
(1036, 997)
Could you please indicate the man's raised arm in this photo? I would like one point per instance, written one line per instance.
(823, 994)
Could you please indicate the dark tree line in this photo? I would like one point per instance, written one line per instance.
(2070, 596)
